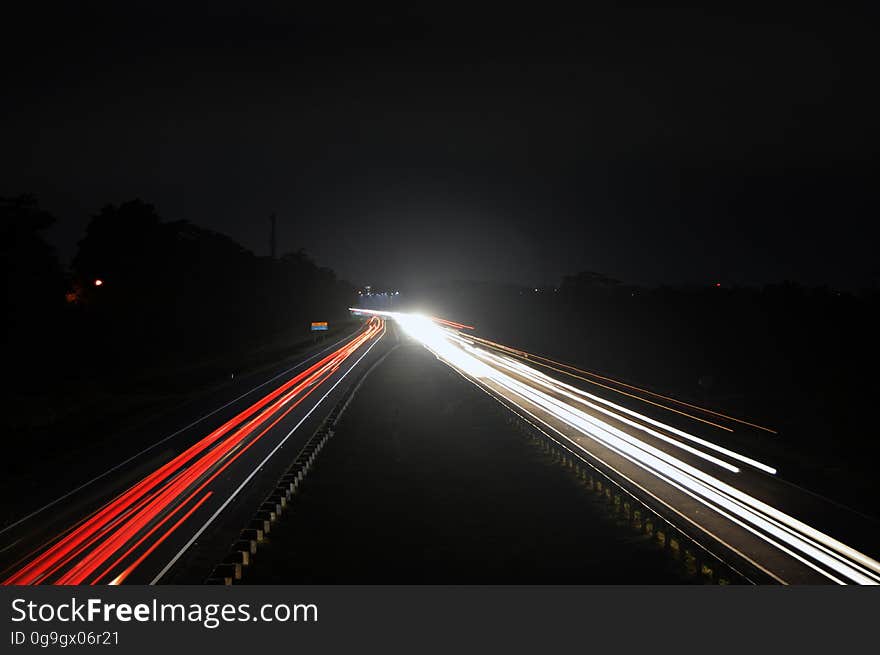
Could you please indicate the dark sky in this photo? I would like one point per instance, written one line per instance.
(651, 145)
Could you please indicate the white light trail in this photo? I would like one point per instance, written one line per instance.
(531, 390)
(579, 395)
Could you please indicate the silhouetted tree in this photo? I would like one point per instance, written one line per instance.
(170, 287)
(34, 284)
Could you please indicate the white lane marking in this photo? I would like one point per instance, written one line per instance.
(192, 540)
(164, 439)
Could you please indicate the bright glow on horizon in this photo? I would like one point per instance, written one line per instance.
(436, 339)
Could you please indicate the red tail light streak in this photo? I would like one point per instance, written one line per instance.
(108, 545)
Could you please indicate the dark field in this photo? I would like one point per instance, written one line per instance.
(425, 482)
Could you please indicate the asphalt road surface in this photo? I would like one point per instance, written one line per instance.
(425, 481)
(678, 458)
(168, 512)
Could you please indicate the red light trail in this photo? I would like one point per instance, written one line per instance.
(116, 538)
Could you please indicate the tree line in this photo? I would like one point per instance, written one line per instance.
(143, 289)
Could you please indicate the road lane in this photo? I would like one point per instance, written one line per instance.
(722, 497)
(186, 504)
(137, 534)
(425, 482)
(219, 406)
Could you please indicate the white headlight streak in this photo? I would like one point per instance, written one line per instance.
(628, 433)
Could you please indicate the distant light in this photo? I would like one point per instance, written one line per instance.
(717, 284)
(536, 291)
(99, 282)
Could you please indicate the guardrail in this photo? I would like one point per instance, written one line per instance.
(711, 563)
(242, 551)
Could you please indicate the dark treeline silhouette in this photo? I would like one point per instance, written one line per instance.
(803, 360)
(34, 283)
(173, 287)
(143, 293)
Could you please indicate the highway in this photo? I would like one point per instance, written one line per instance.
(169, 512)
(674, 456)
(166, 513)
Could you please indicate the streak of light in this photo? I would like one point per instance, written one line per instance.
(386, 314)
(536, 393)
(545, 361)
(119, 579)
(453, 324)
(163, 440)
(259, 466)
(117, 530)
(579, 395)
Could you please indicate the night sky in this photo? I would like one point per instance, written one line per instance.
(656, 146)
